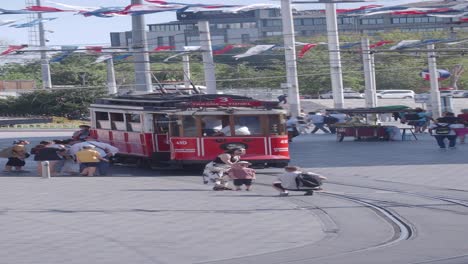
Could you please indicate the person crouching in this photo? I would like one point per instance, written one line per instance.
(242, 175)
(288, 181)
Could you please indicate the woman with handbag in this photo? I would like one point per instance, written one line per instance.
(216, 170)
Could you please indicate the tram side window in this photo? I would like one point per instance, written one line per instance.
(161, 124)
(276, 126)
(189, 126)
(118, 121)
(133, 122)
(102, 120)
(247, 125)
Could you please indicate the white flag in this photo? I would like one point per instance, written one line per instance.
(103, 58)
(254, 51)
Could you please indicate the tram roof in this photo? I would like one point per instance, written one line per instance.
(181, 102)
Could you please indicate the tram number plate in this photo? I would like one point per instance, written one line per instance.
(181, 142)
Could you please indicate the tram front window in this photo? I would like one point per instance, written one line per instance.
(212, 125)
(247, 125)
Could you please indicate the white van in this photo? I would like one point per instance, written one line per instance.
(395, 94)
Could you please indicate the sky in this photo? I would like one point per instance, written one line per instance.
(71, 29)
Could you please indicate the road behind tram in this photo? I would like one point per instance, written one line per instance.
(384, 202)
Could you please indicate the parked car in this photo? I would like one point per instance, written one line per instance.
(346, 94)
(395, 94)
(454, 93)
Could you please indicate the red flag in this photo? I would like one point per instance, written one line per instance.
(44, 9)
(305, 49)
(160, 48)
(464, 19)
(94, 49)
(13, 48)
(223, 50)
(380, 43)
(357, 9)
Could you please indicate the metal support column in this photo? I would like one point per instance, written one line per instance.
(111, 84)
(45, 67)
(335, 57)
(290, 58)
(140, 44)
(435, 93)
(187, 76)
(208, 62)
(369, 77)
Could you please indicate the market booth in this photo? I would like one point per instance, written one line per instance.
(364, 125)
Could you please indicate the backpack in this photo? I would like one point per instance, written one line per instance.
(442, 130)
(6, 152)
(330, 120)
(307, 180)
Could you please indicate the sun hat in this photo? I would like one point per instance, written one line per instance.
(244, 162)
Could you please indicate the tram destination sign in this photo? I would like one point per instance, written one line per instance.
(226, 101)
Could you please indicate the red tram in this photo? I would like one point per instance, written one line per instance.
(162, 130)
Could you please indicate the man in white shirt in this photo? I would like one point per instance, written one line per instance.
(212, 125)
(105, 150)
(317, 120)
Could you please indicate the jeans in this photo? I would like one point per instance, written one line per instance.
(319, 126)
(451, 138)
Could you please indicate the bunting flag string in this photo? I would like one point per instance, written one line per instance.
(13, 48)
(122, 57)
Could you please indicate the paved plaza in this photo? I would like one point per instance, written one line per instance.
(141, 216)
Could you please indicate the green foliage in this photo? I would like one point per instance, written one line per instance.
(51, 103)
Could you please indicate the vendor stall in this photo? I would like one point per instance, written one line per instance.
(363, 124)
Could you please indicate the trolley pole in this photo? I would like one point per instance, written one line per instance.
(111, 84)
(186, 66)
(435, 93)
(334, 54)
(141, 58)
(290, 58)
(45, 66)
(369, 74)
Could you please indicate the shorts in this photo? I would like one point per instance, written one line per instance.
(15, 162)
(239, 182)
(89, 164)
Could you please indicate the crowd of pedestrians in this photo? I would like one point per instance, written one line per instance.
(80, 155)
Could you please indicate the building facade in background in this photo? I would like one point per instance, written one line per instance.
(254, 26)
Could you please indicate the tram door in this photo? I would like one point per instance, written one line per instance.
(161, 124)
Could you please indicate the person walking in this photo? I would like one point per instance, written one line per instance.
(216, 170)
(241, 174)
(17, 156)
(443, 128)
(317, 120)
